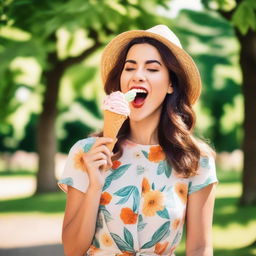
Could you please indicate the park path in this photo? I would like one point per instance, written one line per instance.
(33, 234)
(30, 234)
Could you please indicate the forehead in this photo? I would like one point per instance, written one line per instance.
(143, 52)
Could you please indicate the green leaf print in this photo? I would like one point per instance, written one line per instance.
(153, 186)
(200, 186)
(136, 199)
(167, 169)
(204, 162)
(160, 168)
(145, 153)
(99, 222)
(89, 143)
(164, 167)
(116, 175)
(162, 189)
(140, 169)
(164, 214)
(67, 181)
(128, 237)
(141, 224)
(121, 244)
(126, 192)
(106, 213)
(95, 242)
(158, 235)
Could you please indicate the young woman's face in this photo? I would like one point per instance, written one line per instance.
(145, 70)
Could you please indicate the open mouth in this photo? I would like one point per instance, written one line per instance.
(141, 95)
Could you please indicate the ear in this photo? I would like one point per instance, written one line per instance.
(170, 89)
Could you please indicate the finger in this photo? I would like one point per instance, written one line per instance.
(109, 159)
(99, 156)
(102, 140)
(101, 163)
(103, 149)
(105, 167)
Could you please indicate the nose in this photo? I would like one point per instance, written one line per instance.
(139, 76)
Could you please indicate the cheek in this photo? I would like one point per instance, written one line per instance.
(123, 81)
(160, 84)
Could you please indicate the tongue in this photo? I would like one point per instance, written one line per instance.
(139, 100)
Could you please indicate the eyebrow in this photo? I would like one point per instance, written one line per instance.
(147, 62)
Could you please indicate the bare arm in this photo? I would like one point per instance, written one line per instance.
(199, 222)
(82, 208)
(80, 221)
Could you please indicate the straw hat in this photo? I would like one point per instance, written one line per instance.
(163, 34)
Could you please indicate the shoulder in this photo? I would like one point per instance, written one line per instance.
(84, 144)
(206, 174)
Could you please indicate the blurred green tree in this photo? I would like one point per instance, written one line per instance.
(242, 14)
(42, 21)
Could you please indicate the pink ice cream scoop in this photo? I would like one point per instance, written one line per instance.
(116, 102)
(116, 110)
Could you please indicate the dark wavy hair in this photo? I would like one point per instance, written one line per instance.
(177, 118)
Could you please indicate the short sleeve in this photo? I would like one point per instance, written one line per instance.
(74, 173)
(206, 175)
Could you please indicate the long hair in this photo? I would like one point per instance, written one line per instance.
(177, 118)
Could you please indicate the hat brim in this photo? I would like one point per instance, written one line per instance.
(116, 45)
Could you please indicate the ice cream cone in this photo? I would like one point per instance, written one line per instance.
(116, 110)
(112, 125)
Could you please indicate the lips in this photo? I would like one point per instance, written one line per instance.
(141, 95)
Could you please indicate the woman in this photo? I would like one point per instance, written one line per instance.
(135, 201)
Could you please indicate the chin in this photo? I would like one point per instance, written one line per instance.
(138, 118)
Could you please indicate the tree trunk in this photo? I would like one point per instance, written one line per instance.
(46, 136)
(248, 64)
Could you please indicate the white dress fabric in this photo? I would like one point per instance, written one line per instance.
(143, 203)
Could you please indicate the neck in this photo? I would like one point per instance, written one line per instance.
(144, 132)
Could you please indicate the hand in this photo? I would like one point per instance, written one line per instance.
(96, 160)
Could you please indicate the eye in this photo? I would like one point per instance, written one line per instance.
(152, 70)
(129, 69)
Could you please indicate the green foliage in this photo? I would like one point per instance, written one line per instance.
(243, 12)
(66, 29)
(215, 50)
(8, 87)
(32, 28)
(245, 16)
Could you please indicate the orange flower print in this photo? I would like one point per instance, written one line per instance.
(145, 186)
(128, 216)
(153, 202)
(106, 240)
(161, 247)
(105, 198)
(116, 164)
(79, 161)
(156, 154)
(176, 223)
(92, 250)
(181, 190)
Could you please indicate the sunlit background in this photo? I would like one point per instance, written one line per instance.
(51, 96)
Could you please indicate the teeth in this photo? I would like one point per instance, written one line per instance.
(140, 90)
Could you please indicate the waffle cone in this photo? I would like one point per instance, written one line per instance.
(112, 125)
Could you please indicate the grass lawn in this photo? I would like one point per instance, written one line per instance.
(234, 228)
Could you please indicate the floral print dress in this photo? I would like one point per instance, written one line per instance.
(143, 202)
